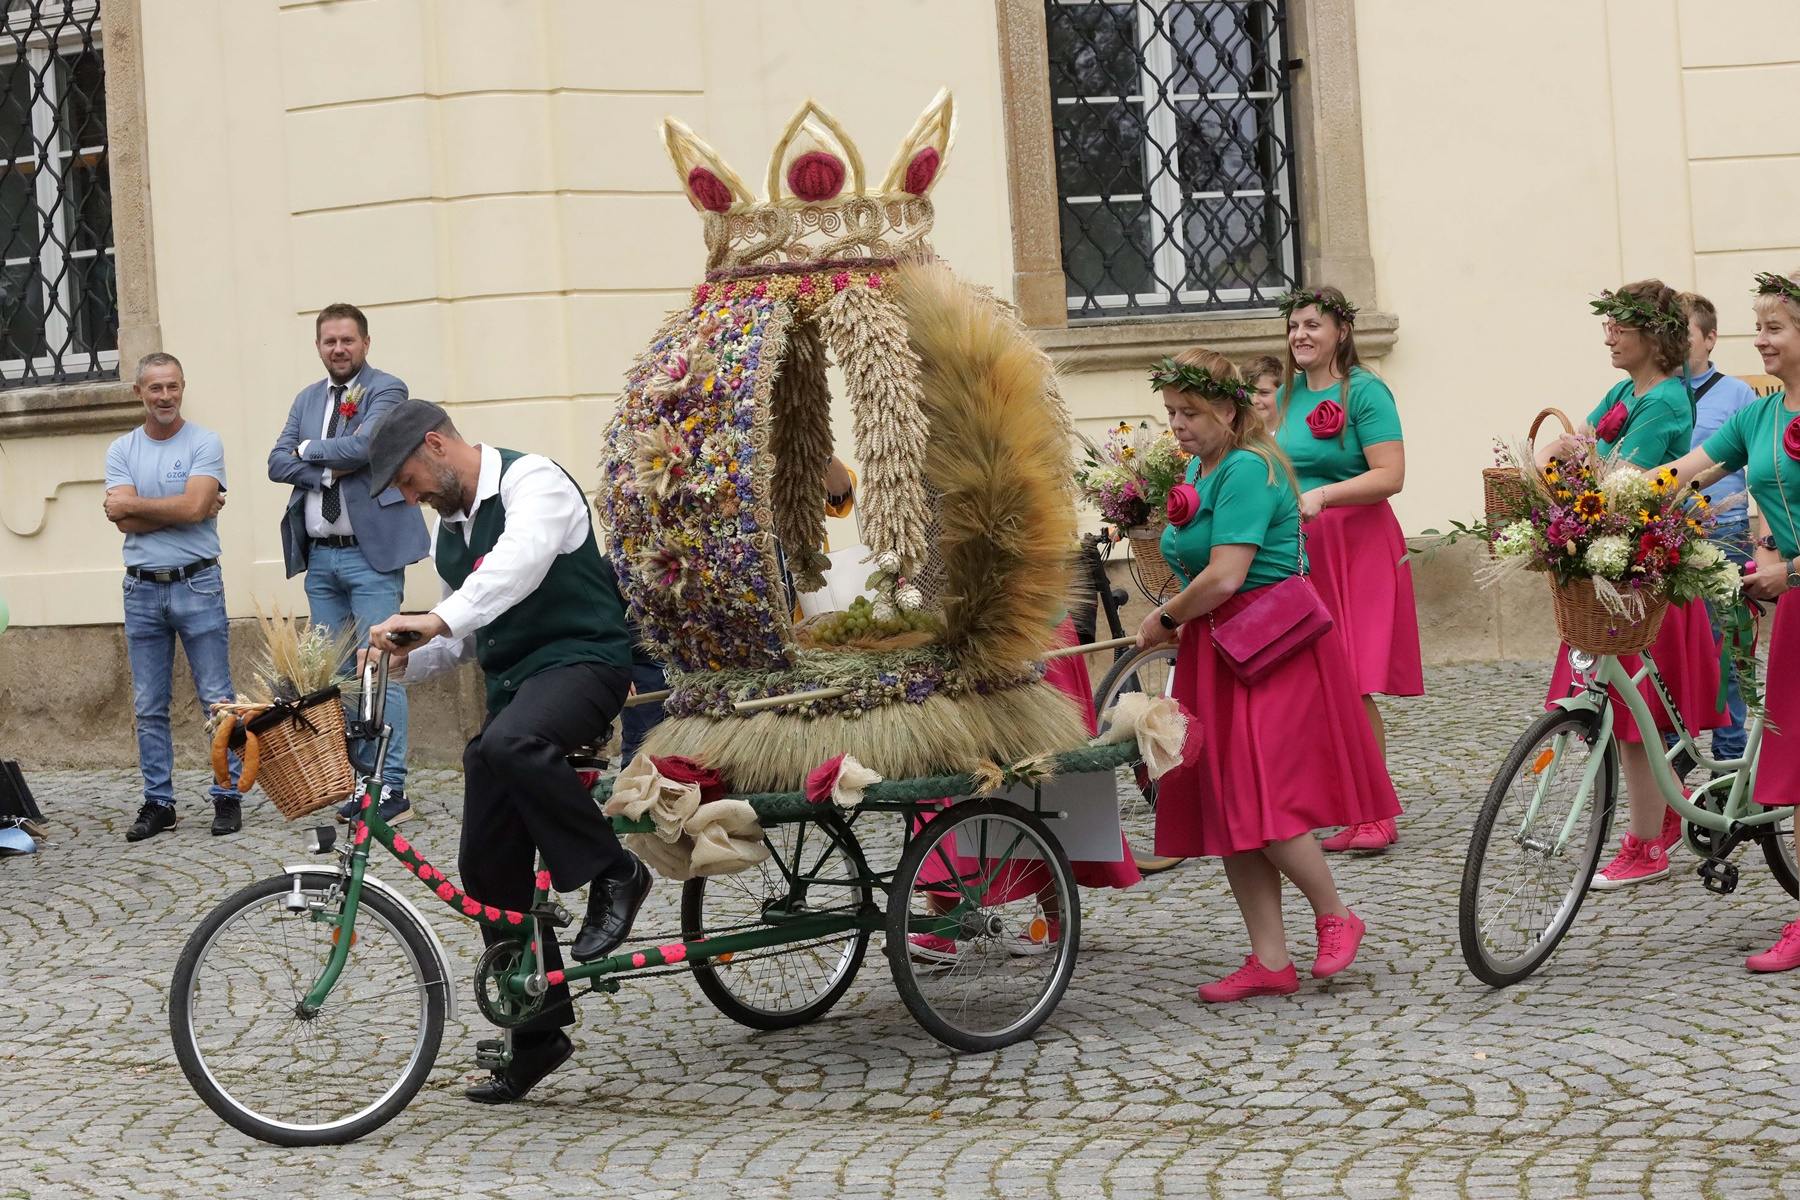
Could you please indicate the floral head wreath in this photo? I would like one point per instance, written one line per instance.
(1770, 284)
(1343, 310)
(1640, 314)
(1170, 374)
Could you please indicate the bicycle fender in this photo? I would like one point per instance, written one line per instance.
(1586, 701)
(437, 945)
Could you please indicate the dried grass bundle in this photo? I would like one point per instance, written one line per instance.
(298, 658)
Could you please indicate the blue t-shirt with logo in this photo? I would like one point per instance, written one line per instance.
(159, 469)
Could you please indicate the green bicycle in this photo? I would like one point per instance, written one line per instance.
(1546, 820)
(308, 1008)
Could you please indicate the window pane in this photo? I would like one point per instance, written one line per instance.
(82, 114)
(1106, 249)
(1217, 47)
(1099, 148)
(95, 322)
(21, 313)
(1232, 245)
(1093, 49)
(15, 109)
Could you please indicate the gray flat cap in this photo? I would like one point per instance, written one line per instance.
(401, 431)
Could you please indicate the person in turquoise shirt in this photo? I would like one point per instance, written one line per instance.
(1646, 419)
(1257, 793)
(1763, 440)
(1338, 424)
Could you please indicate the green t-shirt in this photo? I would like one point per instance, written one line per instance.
(1659, 425)
(1239, 507)
(1372, 419)
(1751, 441)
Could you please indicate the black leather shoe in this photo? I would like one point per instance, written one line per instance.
(613, 904)
(152, 819)
(525, 1072)
(228, 816)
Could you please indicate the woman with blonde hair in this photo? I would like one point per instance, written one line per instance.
(1646, 419)
(1257, 792)
(1338, 424)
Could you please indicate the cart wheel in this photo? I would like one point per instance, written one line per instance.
(294, 1080)
(1778, 849)
(813, 867)
(983, 924)
(1139, 671)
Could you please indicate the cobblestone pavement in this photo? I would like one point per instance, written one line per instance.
(1642, 1061)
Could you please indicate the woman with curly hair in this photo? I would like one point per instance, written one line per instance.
(1645, 419)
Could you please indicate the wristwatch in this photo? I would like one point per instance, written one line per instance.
(1793, 579)
(1171, 624)
(1766, 541)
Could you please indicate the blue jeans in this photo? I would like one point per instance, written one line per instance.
(343, 588)
(1728, 740)
(155, 615)
(636, 722)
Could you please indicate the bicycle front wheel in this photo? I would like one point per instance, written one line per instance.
(1536, 843)
(297, 1080)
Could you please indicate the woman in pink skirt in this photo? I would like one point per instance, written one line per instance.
(1763, 440)
(1339, 426)
(1646, 419)
(1257, 790)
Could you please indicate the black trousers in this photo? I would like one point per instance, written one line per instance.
(520, 798)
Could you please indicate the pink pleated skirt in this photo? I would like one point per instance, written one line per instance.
(1687, 658)
(1357, 554)
(1283, 756)
(1778, 767)
(1068, 675)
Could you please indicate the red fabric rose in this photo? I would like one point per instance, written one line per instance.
(1184, 502)
(822, 778)
(1790, 441)
(677, 769)
(1613, 423)
(1327, 420)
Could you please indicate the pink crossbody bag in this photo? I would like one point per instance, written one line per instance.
(1283, 620)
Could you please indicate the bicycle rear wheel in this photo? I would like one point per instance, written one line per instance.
(290, 1079)
(1150, 671)
(1535, 846)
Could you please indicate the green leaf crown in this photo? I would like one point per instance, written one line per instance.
(1770, 284)
(1169, 373)
(1638, 313)
(1343, 310)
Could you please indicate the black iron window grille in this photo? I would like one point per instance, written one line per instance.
(1175, 173)
(59, 310)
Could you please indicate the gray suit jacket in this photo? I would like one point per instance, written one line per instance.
(390, 532)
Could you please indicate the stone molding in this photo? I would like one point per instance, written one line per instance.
(1113, 345)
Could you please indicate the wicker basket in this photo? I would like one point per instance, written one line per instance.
(1585, 623)
(305, 762)
(1503, 488)
(1153, 571)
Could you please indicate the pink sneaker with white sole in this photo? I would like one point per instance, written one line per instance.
(1339, 938)
(1251, 979)
(1636, 862)
(1369, 837)
(1784, 955)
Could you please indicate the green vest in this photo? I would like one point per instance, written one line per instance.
(575, 615)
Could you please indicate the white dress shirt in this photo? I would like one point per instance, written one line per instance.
(546, 516)
(316, 524)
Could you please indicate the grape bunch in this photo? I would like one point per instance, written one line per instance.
(861, 623)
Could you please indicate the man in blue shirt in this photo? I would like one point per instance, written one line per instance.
(165, 485)
(1716, 397)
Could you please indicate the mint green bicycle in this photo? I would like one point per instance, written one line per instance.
(1549, 812)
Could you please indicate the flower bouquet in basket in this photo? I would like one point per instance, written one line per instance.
(1128, 478)
(1619, 545)
(288, 725)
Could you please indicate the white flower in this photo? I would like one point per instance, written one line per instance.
(1608, 556)
(1722, 581)
(1704, 556)
(1516, 540)
(1626, 487)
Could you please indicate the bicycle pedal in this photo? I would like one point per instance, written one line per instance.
(552, 914)
(1720, 878)
(493, 1054)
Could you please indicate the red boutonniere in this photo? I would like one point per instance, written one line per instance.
(351, 402)
(1613, 423)
(1327, 420)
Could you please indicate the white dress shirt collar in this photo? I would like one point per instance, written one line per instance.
(487, 484)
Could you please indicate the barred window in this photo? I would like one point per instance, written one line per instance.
(58, 298)
(1173, 141)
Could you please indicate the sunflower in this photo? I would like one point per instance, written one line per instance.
(1590, 506)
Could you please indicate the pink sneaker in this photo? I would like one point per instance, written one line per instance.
(1370, 836)
(1339, 938)
(1784, 955)
(1670, 837)
(930, 950)
(1636, 862)
(1251, 979)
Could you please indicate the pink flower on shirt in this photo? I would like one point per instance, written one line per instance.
(1613, 423)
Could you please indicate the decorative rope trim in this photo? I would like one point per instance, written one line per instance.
(828, 267)
(868, 336)
(801, 438)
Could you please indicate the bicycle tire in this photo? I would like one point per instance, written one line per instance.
(1531, 747)
(726, 984)
(1778, 852)
(919, 984)
(201, 1064)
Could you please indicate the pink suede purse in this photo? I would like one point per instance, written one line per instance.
(1285, 619)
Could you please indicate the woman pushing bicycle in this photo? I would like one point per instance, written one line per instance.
(1763, 440)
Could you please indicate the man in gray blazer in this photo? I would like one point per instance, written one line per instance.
(354, 547)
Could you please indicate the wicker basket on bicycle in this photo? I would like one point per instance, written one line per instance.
(1503, 488)
(1153, 570)
(300, 758)
(1585, 623)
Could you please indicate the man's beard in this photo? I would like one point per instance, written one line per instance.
(446, 493)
